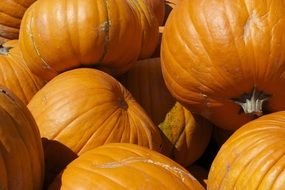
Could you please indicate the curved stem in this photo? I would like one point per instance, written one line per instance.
(252, 103)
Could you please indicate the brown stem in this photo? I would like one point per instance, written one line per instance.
(252, 103)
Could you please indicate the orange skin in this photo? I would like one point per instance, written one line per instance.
(158, 7)
(124, 166)
(253, 157)
(21, 158)
(14, 73)
(85, 108)
(109, 35)
(145, 82)
(214, 51)
(11, 13)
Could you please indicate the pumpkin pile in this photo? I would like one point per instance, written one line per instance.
(142, 94)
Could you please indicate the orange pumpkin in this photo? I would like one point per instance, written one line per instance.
(187, 135)
(11, 13)
(109, 35)
(158, 7)
(21, 152)
(124, 166)
(253, 157)
(85, 108)
(225, 59)
(15, 75)
(146, 84)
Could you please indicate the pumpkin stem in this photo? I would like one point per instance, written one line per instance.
(252, 103)
(4, 50)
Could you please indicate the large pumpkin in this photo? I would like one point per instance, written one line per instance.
(145, 82)
(11, 13)
(110, 35)
(187, 135)
(21, 152)
(124, 166)
(85, 108)
(253, 157)
(14, 73)
(226, 58)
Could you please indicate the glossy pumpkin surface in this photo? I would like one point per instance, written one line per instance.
(85, 108)
(109, 35)
(11, 13)
(145, 82)
(226, 58)
(21, 158)
(125, 166)
(14, 73)
(253, 157)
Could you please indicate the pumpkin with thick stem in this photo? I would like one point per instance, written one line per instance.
(124, 166)
(225, 59)
(21, 152)
(253, 157)
(11, 13)
(85, 108)
(145, 82)
(14, 73)
(187, 135)
(107, 34)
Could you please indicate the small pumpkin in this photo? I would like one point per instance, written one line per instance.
(85, 108)
(124, 166)
(187, 135)
(14, 73)
(145, 82)
(108, 35)
(225, 59)
(11, 13)
(21, 158)
(253, 157)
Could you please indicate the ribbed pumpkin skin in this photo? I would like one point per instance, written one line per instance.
(108, 34)
(187, 135)
(21, 158)
(158, 7)
(214, 51)
(145, 82)
(85, 108)
(253, 157)
(11, 13)
(15, 75)
(125, 166)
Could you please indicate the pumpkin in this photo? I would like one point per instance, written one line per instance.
(85, 108)
(253, 157)
(21, 158)
(11, 13)
(187, 135)
(158, 7)
(124, 166)
(15, 75)
(226, 58)
(108, 35)
(145, 82)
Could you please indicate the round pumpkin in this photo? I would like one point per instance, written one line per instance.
(226, 58)
(85, 108)
(108, 35)
(124, 166)
(14, 73)
(253, 157)
(11, 13)
(187, 135)
(145, 82)
(21, 152)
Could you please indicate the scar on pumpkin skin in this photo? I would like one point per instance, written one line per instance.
(5, 92)
(125, 162)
